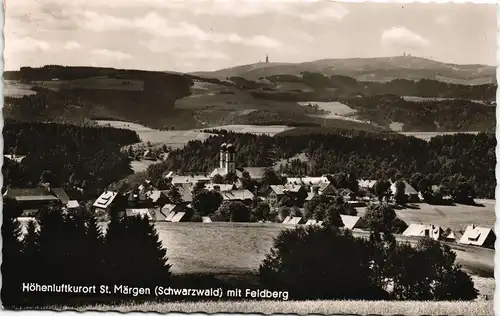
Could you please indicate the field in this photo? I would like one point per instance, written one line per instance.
(334, 109)
(270, 130)
(16, 90)
(174, 139)
(429, 135)
(304, 307)
(456, 217)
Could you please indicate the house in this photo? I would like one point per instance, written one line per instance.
(307, 182)
(296, 220)
(105, 200)
(274, 194)
(314, 222)
(410, 192)
(15, 158)
(158, 215)
(192, 179)
(310, 196)
(31, 200)
(424, 230)
(220, 187)
(286, 220)
(178, 217)
(157, 197)
(142, 212)
(206, 219)
(366, 184)
(353, 222)
(72, 204)
(347, 194)
(255, 173)
(478, 236)
(327, 188)
(238, 195)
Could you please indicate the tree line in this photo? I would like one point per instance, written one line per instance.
(310, 262)
(428, 116)
(70, 156)
(446, 160)
(71, 248)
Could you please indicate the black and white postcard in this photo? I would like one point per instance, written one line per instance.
(245, 156)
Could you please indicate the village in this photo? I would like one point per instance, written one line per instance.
(173, 201)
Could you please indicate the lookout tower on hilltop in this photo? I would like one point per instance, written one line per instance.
(267, 59)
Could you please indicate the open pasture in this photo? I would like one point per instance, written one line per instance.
(320, 307)
(335, 108)
(456, 217)
(270, 130)
(174, 139)
(15, 89)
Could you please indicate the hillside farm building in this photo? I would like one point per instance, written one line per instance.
(31, 200)
(478, 236)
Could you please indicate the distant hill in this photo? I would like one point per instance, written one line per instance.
(369, 69)
(166, 100)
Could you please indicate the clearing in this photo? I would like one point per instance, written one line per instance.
(174, 139)
(270, 130)
(16, 89)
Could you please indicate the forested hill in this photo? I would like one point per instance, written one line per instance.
(446, 160)
(65, 155)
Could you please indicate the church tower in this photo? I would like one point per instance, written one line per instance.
(222, 156)
(230, 159)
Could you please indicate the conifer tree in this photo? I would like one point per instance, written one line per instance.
(11, 255)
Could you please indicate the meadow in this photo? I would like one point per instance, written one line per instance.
(302, 307)
(16, 90)
(334, 109)
(428, 135)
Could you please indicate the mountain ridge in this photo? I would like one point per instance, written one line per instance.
(378, 69)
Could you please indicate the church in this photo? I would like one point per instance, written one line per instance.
(227, 164)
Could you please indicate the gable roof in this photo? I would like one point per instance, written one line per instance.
(256, 173)
(170, 216)
(237, 195)
(295, 220)
(61, 194)
(278, 189)
(310, 196)
(314, 222)
(409, 190)
(142, 212)
(367, 184)
(178, 217)
(424, 230)
(206, 219)
(351, 222)
(222, 187)
(308, 181)
(158, 214)
(286, 220)
(167, 208)
(476, 236)
(72, 204)
(218, 171)
(105, 199)
(292, 187)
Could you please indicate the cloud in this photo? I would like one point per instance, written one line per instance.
(155, 25)
(110, 54)
(444, 20)
(25, 44)
(401, 36)
(72, 45)
(335, 11)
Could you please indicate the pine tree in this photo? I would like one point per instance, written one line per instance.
(11, 255)
(31, 252)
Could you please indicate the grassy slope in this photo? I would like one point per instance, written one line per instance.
(305, 307)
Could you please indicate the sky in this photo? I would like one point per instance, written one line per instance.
(204, 35)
